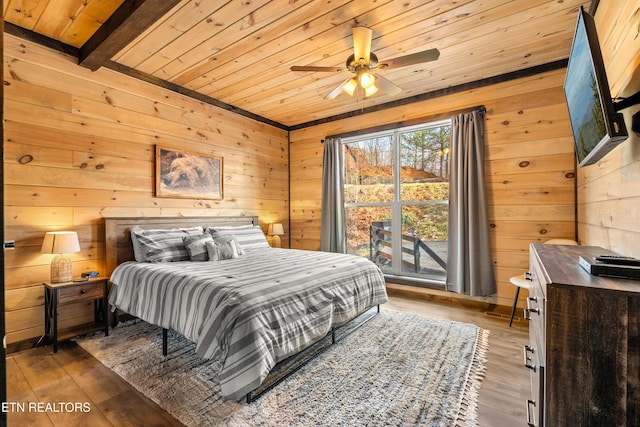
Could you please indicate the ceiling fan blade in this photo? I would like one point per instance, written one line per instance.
(320, 69)
(414, 58)
(362, 43)
(387, 86)
(334, 93)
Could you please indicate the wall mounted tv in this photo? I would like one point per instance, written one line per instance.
(597, 126)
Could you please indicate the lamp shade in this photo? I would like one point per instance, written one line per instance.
(350, 86)
(275, 229)
(60, 242)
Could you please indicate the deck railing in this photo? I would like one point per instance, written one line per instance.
(380, 240)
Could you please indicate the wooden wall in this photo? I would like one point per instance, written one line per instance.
(92, 138)
(530, 172)
(609, 191)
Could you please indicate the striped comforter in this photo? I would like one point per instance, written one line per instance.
(253, 311)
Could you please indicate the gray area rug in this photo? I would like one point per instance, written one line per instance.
(398, 369)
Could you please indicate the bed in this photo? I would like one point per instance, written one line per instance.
(248, 310)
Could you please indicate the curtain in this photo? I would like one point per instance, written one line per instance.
(469, 267)
(332, 234)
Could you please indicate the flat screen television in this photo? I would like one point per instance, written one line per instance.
(597, 126)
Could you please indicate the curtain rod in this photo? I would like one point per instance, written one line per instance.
(426, 119)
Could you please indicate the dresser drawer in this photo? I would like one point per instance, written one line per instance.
(81, 291)
(536, 309)
(535, 314)
(534, 352)
(533, 356)
(535, 405)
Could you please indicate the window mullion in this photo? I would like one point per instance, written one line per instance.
(396, 208)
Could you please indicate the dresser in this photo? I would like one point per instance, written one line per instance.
(583, 353)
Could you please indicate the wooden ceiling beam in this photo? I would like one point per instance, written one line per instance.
(130, 20)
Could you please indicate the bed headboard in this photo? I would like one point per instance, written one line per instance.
(118, 238)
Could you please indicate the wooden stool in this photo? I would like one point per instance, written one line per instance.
(519, 282)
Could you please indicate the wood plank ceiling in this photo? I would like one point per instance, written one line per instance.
(238, 53)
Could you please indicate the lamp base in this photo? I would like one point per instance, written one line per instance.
(61, 269)
(277, 243)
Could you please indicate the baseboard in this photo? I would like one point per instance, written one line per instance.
(30, 343)
(23, 345)
(484, 304)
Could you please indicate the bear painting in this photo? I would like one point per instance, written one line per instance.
(188, 174)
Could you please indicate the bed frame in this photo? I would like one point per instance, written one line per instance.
(119, 249)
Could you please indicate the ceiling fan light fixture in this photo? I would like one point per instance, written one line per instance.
(366, 80)
(350, 86)
(363, 64)
(370, 90)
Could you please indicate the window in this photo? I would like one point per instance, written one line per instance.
(396, 188)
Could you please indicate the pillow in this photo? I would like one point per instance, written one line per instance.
(161, 245)
(225, 238)
(196, 246)
(247, 236)
(218, 251)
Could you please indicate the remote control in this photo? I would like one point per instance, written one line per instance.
(618, 260)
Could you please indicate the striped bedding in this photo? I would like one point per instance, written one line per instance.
(253, 311)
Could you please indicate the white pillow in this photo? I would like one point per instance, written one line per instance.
(218, 251)
(223, 239)
(197, 246)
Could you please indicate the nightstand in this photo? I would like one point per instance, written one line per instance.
(57, 294)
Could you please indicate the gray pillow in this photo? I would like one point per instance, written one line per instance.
(225, 239)
(219, 251)
(162, 245)
(197, 246)
(248, 237)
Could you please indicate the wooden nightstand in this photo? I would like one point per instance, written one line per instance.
(57, 294)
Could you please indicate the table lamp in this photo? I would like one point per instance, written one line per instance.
(276, 231)
(60, 243)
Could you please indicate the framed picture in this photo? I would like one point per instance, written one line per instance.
(187, 174)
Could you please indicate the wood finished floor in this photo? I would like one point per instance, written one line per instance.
(71, 375)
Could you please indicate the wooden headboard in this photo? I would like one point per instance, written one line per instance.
(118, 237)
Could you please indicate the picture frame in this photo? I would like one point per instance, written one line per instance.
(187, 174)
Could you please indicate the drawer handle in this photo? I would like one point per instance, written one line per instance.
(529, 301)
(83, 291)
(530, 403)
(527, 359)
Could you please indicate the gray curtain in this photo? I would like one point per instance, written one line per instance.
(332, 234)
(469, 268)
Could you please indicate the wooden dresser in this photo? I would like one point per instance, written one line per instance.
(584, 342)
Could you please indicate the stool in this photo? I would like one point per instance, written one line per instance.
(522, 282)
(519, 282)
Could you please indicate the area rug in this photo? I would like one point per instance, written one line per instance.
(398, 369)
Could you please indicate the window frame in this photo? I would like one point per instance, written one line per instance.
(396, 204)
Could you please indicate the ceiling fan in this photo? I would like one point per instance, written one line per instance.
(363, 61)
